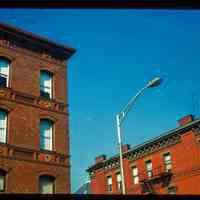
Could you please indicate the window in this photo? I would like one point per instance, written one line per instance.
(149, 168)
(46, 134)
(45, 84)
(109, 184)
(2, 181)
(3, 126)
(119, 181)
(4, 72)
(172, 190)
(167, 162)
(46, 185)
(135, 175)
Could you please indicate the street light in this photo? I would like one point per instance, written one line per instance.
(122, 115)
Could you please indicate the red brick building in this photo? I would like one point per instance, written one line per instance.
(168, 164)
(34, 135)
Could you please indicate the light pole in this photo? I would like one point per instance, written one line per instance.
(120, 118)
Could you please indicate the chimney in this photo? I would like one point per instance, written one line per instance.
(186, 119)
(100, 158)
(125, 147)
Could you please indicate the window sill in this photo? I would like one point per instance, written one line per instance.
(47, 151)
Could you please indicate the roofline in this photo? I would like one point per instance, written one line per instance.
(149, 142)
(37, 37)
(166, 134)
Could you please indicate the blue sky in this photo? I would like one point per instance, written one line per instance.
(118, 52)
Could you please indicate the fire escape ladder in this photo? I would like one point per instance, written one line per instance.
(160, 176)
(149, 187)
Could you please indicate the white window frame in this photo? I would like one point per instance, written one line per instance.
(119, 181)
(167, 162)
(46, 135)
(3, 126)
(109, 183)
(46, 85)
(5, 73)
(149, 168)
(135, 175)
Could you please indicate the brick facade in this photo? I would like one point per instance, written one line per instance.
(21, 157)
(183, 146)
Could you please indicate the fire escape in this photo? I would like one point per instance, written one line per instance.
(158, 176)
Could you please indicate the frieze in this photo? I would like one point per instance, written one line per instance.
(11, 151)
(23, 154)
(153, 148)
(9, 94)
(46, 104)
(196, 130)
(46, 157)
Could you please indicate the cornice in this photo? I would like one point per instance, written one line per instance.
(154, 147)
(36, 42)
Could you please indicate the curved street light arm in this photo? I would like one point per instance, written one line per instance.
(122, 115)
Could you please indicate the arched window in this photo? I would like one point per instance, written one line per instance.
(4, 72)
(46, 134)
(3, 126)
(46, 84)
(46, 184)
(2, 181)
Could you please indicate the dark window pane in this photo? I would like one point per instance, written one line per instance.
(44, 94)
(46, 185)
(2, 181)
(3, 81)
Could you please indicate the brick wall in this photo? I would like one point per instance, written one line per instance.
(22, 100)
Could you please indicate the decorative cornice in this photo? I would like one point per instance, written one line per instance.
(146, 150)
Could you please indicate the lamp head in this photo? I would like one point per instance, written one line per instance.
(154, 82)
